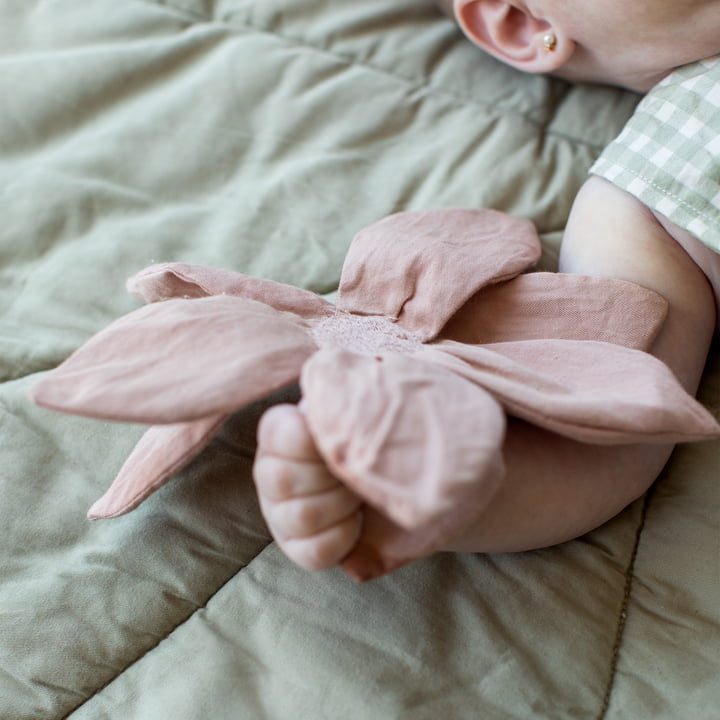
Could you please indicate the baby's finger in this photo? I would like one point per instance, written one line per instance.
(283, 432)
(326, 548)
(278, 478)
(308, 515)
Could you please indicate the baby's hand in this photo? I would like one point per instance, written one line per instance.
(313, 517)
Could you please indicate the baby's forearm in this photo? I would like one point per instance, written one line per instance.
(558, 489)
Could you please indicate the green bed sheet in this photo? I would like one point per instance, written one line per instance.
(260, 135)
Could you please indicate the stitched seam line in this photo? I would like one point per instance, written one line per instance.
(684, 204)
(147, 652)
(623, 614)
(194, 17)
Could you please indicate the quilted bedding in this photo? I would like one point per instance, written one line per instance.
(260, 135)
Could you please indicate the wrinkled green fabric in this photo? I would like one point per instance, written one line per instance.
(260, 135)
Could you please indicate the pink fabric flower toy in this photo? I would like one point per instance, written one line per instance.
(437, 336)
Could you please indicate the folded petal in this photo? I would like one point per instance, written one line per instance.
(410, 438)
(161, 452)
(180, 360)
(561, 306)
(419, 267)
(178, 280)
(590, 391)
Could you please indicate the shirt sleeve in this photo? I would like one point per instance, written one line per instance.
(668, 154)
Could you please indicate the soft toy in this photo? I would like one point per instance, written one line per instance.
(406, 381)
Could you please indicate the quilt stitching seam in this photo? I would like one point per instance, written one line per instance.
(419, 84)
(154, 647)
(624, 608)
(195, 17)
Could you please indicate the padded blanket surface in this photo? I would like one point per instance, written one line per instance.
(260, 135)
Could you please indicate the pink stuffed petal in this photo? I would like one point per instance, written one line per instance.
(180, 360)
(589, 391)
(419, 267)
(162, 451)
(555, 305)
(178, 280)
(408, 437)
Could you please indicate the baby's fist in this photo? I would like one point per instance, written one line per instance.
(313, 517)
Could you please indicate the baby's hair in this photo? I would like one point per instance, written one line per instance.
(446, 6)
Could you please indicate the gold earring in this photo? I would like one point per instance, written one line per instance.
(549, 42)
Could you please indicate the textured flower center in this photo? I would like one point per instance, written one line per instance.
(367, 335)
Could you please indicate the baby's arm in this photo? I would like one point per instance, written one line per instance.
(611, 233)
(555, 489)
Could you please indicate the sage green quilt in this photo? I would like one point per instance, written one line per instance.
(260, 135)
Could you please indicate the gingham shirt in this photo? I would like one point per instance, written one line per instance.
(668, 154)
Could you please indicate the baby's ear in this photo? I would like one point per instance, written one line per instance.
(510, 32)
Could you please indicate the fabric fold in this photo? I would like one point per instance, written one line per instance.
(543, 305)
(180, 280)
(418, 268)
(410, 438)
(587, 390)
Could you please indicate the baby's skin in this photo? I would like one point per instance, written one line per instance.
(313, 517)
(563, 488)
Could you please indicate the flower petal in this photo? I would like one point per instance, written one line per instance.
(420, 267)
(179, 280)
(180, 360)
(562, 306)
(590, 391)
(161, 452)
(410, 438)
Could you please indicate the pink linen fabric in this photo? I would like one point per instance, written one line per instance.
(406, 383)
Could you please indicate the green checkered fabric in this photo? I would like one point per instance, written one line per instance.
(668, 154)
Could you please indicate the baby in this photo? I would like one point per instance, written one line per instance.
(646, 214)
